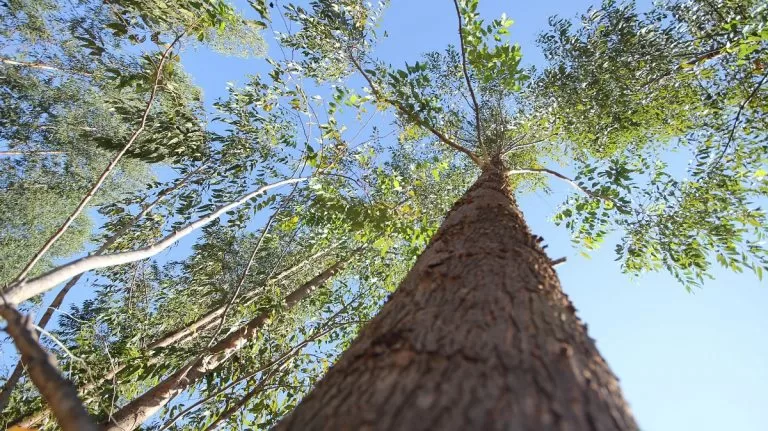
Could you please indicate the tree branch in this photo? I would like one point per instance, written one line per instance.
(13, 379)
(58, 393)
(30, 153)
(736, 120)
(112, 164)
(466, 75)
(573, 183)
(26, 289)
(414, 117)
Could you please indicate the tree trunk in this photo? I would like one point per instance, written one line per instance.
(479, 336)
(143, 407)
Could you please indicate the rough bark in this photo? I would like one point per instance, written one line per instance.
(133, 414)
(58, 393)
(479, 336)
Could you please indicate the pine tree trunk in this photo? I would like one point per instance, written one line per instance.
(479, 336)
(135, 413)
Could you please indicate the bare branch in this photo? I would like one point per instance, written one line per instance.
(414, 117)
(112, 164)
(466, 75)
(58, 393)
(558, 261)
(26, 289)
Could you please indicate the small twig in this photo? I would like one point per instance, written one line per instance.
(736, 120)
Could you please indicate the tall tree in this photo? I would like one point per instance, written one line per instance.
(479, 335)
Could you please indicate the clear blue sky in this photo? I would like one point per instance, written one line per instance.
(686, 361)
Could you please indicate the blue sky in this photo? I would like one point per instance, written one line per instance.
(686, 361)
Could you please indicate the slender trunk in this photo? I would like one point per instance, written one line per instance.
(479, 336)
(141, 408)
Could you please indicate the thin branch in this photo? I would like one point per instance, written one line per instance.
(13, 379)
(31, 153)
(414, 117)
(736, 120)
(58, 393)
(247, 269)
(112, 164)
(26, 289)
(466, 75)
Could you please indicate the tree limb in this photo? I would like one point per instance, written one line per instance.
(112, 164)
(26, 289)
(466, 75)
(58, 393)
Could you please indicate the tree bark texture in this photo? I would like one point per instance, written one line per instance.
(135, 413)
(479, 336)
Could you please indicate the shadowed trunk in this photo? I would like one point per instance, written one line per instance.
(132, 415)
(479, 336)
